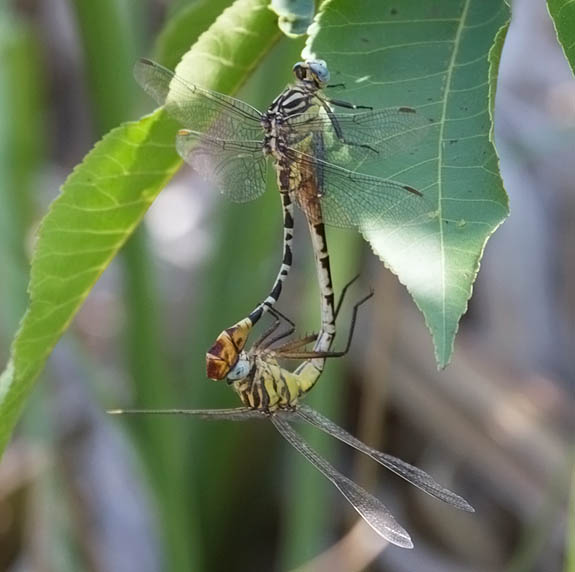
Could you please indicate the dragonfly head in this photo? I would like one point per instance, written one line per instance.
(227, 350)
(313, 73)
(241, 369)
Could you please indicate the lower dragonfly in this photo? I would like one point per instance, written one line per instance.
(271, 392)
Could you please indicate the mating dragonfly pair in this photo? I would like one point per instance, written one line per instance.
(228, 142)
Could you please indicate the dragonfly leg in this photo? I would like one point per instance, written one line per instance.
(261, 342)
(336, 125)
(264, 342)
(347, 104)
(343, 293)
(287, 349)
(329, 354)
(352, 325)
(296, 344)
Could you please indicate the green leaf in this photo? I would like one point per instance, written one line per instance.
(184, 28)
(107, 195)
(494, 61)
(563, 15)
(432, 56)
(22, 142)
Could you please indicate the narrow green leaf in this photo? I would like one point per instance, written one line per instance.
(110, 86)
(432, 56)
(109, 66)
(106, 196)
(100, 205)
(563, 14)
(22, 139)
(184, 28)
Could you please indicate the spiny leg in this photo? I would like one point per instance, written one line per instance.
(329, 354)
(336, 126)
(347, 104)
(263, 342)
(343, 293)
(296, 344)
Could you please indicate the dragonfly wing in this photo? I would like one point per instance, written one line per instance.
(411, 474)
(237, 168)
(356, 200)
(355, 138)
(196, 108)
(371, 509)
(236, 414)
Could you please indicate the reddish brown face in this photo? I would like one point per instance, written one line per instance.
(223, 355)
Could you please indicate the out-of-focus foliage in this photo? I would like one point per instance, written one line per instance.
(125, 172)
(21, 148)
(434, 58)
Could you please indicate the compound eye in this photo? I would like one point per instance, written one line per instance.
(299, 70)
(320, 70)
(240, 370)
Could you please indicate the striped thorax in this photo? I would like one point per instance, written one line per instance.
(294, 101)
(262, 384)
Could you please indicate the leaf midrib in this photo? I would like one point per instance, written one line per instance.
(450, 67)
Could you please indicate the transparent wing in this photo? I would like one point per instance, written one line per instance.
(350, 199)
(237, 414)
(352, 139)
(198, 109)
(411, 474)
(372, 510)
(237, 168)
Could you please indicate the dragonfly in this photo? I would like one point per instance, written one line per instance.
(271, 392)
(315, 152)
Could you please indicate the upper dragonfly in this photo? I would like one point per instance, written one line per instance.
(315, 153)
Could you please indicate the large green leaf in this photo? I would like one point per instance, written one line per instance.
(107, 195)
(563, 14)
(432, 56)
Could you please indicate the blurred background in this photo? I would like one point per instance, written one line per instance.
(82, 491)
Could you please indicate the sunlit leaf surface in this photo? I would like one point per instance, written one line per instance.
(434, 57)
